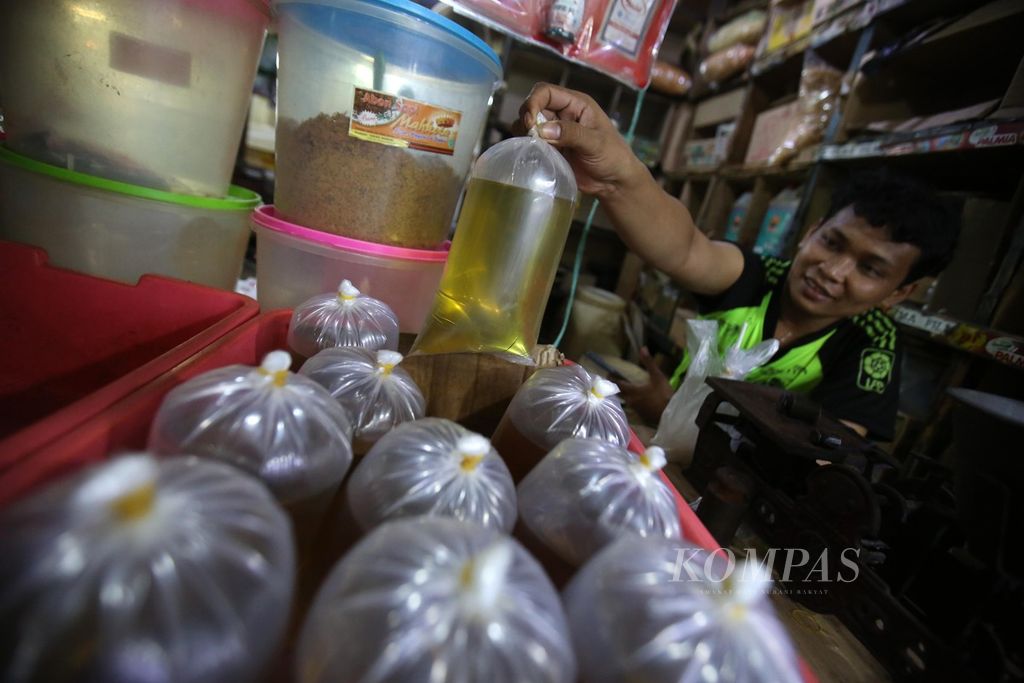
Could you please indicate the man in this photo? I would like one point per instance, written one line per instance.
(826, 308)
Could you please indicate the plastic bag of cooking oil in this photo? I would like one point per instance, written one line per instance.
(342, 318)
(429, 599)
(659, 611)
(144, 569)
(282, 427)
(556, 404)
(432, 467)
(677, 429)
(587, 493)
(508, 241)
(377, 394)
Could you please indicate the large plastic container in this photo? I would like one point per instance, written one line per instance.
(379, 107)
(72, 345)
(294, 263)
(121, 231)
(150, 92)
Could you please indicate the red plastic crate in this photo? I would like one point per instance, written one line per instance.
(72, 345)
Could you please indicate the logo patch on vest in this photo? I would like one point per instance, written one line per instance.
(875, 370)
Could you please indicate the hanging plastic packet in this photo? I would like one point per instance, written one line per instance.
(432, 467)
(436, 599)
(677, 429)
(555, 404)
(652, 610)
(345, 318)
(586, 493)
(376, 393)
(170, 569)
(281, 427)
(506, 249)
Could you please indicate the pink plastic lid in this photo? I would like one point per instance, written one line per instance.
(266, 217)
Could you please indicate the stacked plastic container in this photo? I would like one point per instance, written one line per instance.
(380, 107)
(123, 121)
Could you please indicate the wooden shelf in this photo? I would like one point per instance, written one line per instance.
(969, 338)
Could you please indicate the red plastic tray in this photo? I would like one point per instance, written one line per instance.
(72, 345)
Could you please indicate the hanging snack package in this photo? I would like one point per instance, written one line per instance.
(432, 467)
(138, 568)
(436, 599)
(820, 86)
(508, 242)
(745, 29)
(345, 318)
(620, 38)
(777, 224)
(377, 394)
(555, 404)
(677, 429)
(281, 427)
(587, 493)
(724, 64)
(652, 610)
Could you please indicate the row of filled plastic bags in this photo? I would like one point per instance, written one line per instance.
(173, 569)
(182, 569)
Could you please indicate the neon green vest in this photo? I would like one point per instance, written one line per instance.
(798, 369)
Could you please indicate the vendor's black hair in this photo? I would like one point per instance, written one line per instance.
(909, 210)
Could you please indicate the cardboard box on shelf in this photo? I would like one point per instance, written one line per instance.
(963, 283)
(700, 154)
(770, 130)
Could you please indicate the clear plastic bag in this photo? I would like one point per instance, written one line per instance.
(555, 404)
(746, 29)
(377, 394)
(512, 228)
(436, 599)
(670, 79)
(655, 611)
(820, 86)
(433, 467)
(724, 64)
(587, 493)
(677, 429)
(282, 427)
(172, 569)
(344, 318)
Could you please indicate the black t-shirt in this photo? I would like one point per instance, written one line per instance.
(858, 362)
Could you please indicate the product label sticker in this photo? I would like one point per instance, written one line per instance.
(401, 122)
(626, 23)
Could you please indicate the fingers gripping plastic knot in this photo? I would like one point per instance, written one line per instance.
(600, 389)
(483, 577)
(653, 458)
(275, 366)
(471, 449)
(387, 360)
(126, 489)
(537, 123)
(347, 292)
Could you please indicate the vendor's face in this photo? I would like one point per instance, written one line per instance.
(847, 266)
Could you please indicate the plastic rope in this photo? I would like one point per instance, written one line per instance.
(586, 228)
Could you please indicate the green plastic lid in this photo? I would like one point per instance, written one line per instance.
(237, 199)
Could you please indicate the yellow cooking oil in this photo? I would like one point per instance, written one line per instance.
(507, 245)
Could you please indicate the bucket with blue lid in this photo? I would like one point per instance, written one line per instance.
(380, 106)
